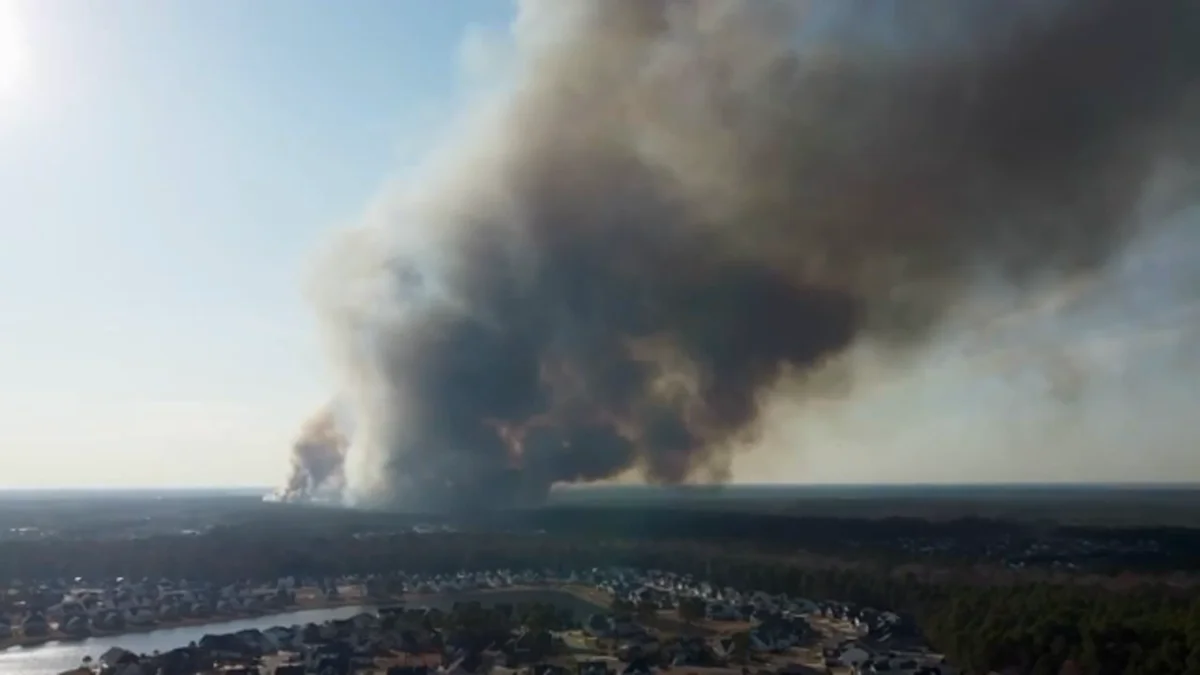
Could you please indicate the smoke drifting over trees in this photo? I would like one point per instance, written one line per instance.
(680, 205)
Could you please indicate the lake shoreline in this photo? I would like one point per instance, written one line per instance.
(586, 594)
(21, 642)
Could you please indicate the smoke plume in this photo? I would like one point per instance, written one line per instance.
(680, 209)
(318, 456)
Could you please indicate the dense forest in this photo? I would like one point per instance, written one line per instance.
(1031, 627)
(956, 540)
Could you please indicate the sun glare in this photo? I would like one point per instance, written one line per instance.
(13, 51)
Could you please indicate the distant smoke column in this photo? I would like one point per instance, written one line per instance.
(680, 204)
(317, 457)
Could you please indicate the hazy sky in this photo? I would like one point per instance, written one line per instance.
(167, 167)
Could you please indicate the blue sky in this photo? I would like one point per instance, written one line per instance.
(166, 170)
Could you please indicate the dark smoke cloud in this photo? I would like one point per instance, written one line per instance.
(680, 203)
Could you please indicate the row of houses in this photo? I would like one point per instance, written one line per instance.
(775, 624)
(666, 590)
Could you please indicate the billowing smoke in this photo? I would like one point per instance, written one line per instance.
(317, 459)
(681, 209)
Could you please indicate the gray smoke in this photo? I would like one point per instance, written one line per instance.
(680, 205)
(317, 458)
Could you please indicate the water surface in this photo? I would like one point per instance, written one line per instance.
(54, 657)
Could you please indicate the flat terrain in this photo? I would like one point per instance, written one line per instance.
(1057, 529)
(935, 552)
(31, 514)
(1164, 505)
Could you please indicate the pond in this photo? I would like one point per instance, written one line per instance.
(54, 657)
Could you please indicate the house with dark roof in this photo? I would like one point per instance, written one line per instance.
(116, 659)
(334, 656)
(465, 664)
(35, 625)
(76, 626)
(227, 646)
(638, 667)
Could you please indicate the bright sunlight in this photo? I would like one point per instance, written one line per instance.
(14, 66)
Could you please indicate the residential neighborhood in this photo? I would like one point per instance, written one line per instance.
(468, 624)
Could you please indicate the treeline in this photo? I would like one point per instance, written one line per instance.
(1034, 628)
(1039, 628)
(959, 540)
(969, 539)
